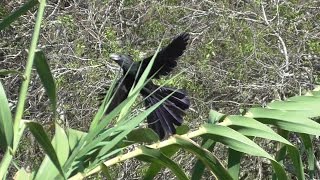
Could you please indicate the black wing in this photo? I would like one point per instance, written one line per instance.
(166, 59)
(120, 93)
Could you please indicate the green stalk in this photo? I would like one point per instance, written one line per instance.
(23, 94)
(27, 74)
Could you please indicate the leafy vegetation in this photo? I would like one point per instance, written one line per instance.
(242, 56)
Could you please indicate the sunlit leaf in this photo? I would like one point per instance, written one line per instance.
(22, 174)
(239, 142)
(6, 124)
(215, 117)
(251, 127)
(74, 137)
(289, 121)
(40, 135)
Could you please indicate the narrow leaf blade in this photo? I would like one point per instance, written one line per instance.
(205, 156)
(239, 142)
(199, 167)
(16, 14)
(46, 77)
(234, 158)
(154, 168)
(40, 135)
(155, 156)
(251, 127)
(287, 120)
(6, 124)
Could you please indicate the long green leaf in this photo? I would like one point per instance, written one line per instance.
(111, 132)
(16, 14)
(152, 171)
(155, 156)
(234, 158)
(5, 162)
(105, 171)
(140, 83)
(6, 72)
(83, 145)
(61, 144)
(154, 168)
(47, 170)
(205, 156)
(46, 77)
(310, 103)
(105, 104)
(239, 142)
(199, 167)
(6, 125)
(235, 140)
(129, 126)
(251, 127)
(74, 137)
(307, 142)
(42, 138)
(306, 106)
(297, 161)
(289, 121)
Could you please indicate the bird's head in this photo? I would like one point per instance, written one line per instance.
(123, 60)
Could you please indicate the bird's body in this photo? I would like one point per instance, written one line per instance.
(170, 113)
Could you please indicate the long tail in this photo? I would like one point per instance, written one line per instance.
(170, 113)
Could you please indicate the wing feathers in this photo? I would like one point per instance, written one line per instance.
(170, 113)
(167, 58)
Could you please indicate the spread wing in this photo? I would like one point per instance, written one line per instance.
(166, 59)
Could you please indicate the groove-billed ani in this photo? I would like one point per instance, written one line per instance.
(170, 113)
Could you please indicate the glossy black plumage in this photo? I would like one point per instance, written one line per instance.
(171, 112)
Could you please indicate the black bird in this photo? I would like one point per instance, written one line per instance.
(170, 113)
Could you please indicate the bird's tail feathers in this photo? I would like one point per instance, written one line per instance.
(168, 114)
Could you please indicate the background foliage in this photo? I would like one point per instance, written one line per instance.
(242, 53)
